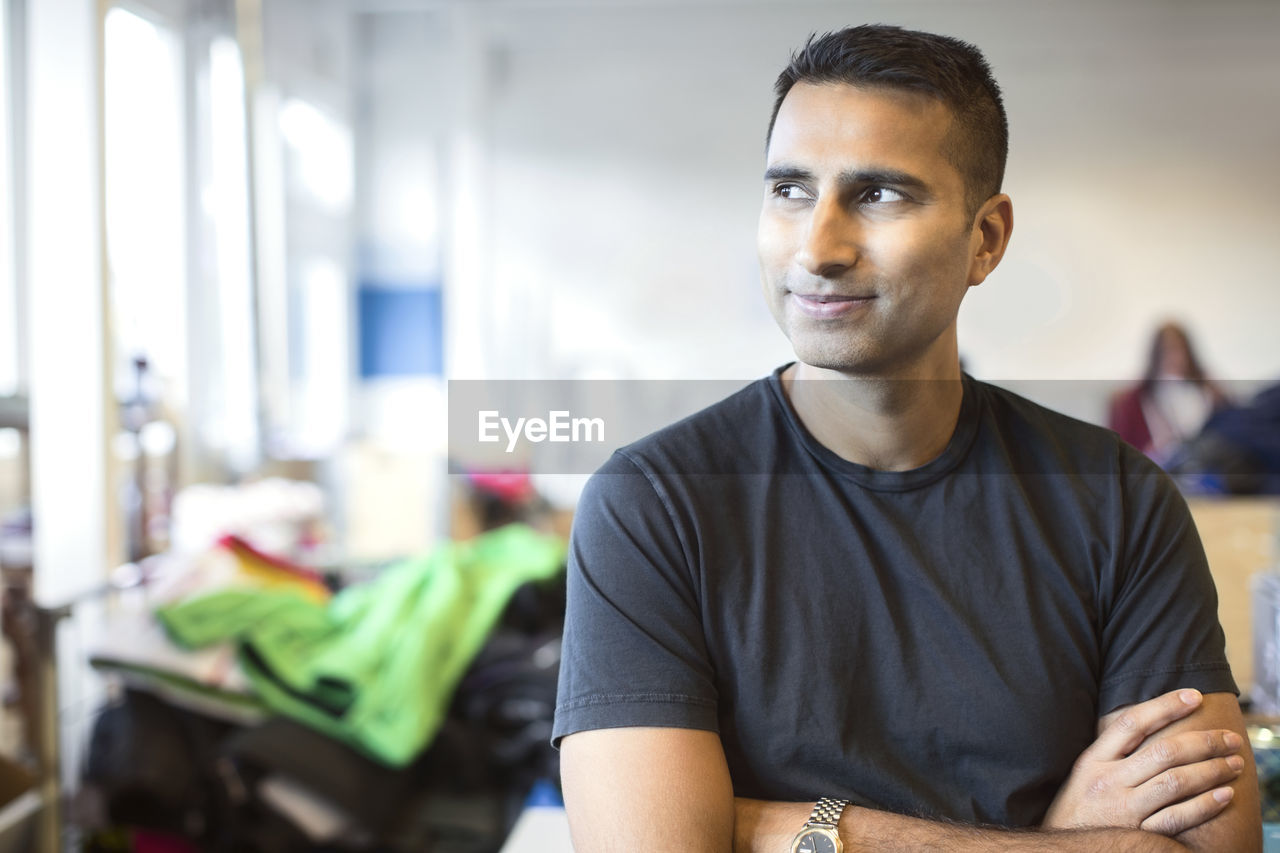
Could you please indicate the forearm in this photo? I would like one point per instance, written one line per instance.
(767, 827)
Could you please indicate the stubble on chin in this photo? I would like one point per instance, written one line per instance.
(833, 350)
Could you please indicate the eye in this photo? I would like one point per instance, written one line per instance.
(795, 192)
(881, 195)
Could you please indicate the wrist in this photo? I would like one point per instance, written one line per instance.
(821, 832)
(762, 826)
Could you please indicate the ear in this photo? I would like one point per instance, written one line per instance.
(992, 227)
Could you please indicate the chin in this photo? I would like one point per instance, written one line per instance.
(832, 359)
(829, 346)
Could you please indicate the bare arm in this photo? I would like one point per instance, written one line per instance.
(1213, 804)
(652, 789)
(1239, 826)
(662, 789)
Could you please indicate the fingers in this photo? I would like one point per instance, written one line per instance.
(1127, 729)
(1168, 793)
(1191, 813)
(1185, 748)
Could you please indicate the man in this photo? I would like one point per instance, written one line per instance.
(963, 621)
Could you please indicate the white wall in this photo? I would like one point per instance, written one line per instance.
(1144, 169)
(621, 150)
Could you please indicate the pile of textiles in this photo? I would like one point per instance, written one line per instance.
(438, 670)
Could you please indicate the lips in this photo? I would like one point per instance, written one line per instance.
(825, 305)
(831, 297)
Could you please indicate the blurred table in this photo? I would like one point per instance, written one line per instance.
(540, 829)
(1240, 539)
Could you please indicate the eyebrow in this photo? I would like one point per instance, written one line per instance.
(849, 177)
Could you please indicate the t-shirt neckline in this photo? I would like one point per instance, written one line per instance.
(889, 481)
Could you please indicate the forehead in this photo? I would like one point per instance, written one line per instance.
(845, 125)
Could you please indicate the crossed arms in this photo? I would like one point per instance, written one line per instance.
(1157, 778)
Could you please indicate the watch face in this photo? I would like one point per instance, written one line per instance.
(815, 841)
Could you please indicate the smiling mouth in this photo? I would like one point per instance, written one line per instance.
(827, 305)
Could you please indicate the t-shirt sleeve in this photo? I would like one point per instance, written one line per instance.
(634, 652)
(1160, 631)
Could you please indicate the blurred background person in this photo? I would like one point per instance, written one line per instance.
(1173, 401)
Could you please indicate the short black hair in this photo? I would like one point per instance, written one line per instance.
(953, 71)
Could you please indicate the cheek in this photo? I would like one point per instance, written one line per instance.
(772, 247)
(935, 255)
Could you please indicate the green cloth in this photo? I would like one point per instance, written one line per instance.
(229, 613)
(376, 667)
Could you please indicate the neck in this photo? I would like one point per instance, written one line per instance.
(887, 423)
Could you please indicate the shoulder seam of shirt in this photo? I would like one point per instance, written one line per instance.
(666, 505)
(633, 698)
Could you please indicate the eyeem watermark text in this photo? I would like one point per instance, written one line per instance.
(557, 427)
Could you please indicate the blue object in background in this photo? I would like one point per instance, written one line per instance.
(401, 331)
(544, 793)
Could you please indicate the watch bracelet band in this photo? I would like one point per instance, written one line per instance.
(827, 811)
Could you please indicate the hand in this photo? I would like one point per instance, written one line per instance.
(1167, 785)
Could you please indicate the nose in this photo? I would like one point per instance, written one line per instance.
(829, 245)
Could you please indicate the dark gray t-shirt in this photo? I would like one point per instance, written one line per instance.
(939, 641)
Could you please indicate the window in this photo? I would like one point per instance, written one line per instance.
(10, 305)
(145, 199)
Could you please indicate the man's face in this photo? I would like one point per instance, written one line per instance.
(865, 243)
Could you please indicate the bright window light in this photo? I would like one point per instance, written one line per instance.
(321, 152)
(9, 339)
(10, 444)
(145, 202)
(227, 199)
(323, 409)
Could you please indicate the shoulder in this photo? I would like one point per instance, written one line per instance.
(1105, 470)
(665, 486)
(1039, 432)
(719, 439)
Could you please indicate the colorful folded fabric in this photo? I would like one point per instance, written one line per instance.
(376, 667)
